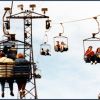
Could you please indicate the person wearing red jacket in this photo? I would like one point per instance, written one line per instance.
(89, 55)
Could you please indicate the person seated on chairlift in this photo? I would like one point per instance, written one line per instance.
(22, 64)
(12, 52)
(89, 55)
(63, 47)
(6, 74)
(42, 51)
(6, 49)
(57, 46)
(47, 52)
(97, 55)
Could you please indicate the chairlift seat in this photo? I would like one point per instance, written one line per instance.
(45, 49)
(6, 70)
(60, 39)
(22, 70)
(90, 40)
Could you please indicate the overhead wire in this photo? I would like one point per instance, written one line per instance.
(95, 18)
(64, 22)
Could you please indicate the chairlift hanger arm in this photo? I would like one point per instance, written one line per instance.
(45, 38)
(98, 25)
(5, 32)
(4, 15)
(62, 27)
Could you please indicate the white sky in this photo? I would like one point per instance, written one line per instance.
(64, 75)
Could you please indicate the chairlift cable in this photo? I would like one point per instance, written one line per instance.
(76, 20)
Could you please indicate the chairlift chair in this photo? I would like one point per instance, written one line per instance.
(45, 49)
(60, 43)
(92, 41)
(37, 75)
(18, 71)
(37, 72)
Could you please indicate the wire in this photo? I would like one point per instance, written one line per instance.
(95, 18)
(77, 20)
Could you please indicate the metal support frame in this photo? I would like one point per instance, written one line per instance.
(29, 52)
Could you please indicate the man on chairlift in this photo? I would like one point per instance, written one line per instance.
(63, 47)
(42, 51)
(57, 46)
(89, 55)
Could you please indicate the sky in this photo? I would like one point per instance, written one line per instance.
(64, 75)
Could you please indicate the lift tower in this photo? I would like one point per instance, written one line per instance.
(26, 16)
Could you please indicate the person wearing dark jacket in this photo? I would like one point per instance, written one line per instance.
(21, 70)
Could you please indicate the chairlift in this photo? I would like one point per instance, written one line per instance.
(45, 48)
(93, 43)
(37, 72)
(61, 42)
(18, 70)
(22, 69)
(92, 52)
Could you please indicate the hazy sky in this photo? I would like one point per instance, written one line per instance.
(64, 75)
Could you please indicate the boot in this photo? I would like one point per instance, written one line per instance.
(2, 94)
(11, 93)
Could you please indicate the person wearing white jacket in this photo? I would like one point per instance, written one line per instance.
(6, 73)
